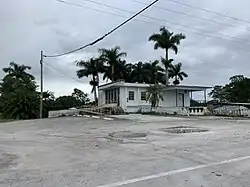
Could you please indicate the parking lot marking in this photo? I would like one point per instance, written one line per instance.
(150, 177)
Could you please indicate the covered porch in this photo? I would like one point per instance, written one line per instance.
(183, 94)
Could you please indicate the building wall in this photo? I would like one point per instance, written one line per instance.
(169, 99)
(132, 106)
(101, 97)
(123, 98)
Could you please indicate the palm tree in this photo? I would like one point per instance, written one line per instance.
(154, 72)
(139, 73)
(111, 57)
(15, 76)
(92, 67)
(176, 72)
(154, 95)
(18, 71)
(167, 40)
(18, 93)
(124, 70)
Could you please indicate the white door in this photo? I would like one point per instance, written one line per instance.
(181, 100)
(131, 98)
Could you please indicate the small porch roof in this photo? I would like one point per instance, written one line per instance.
(187, 87)
(143, 85)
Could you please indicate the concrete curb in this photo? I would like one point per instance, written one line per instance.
(96, 117)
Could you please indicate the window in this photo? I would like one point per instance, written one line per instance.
(131, 95)
(143, 96)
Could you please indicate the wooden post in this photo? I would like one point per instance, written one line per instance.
(41, 86)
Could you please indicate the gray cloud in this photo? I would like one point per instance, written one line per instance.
(30, 26)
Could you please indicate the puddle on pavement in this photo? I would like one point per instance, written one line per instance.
(183, 129)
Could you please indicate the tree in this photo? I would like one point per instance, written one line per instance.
(80, 96)
(123, 70)
(139, 73)
(18, 71)
(149, 72)
(92, 68)
(176, 72)
(237, 90)
(166, 40)
(77, 99)
(111, 57)
(65, 102)
(155, 72)
(218, 93)
(48, 102)
(154, 95)
(48, 96)
(18, 93)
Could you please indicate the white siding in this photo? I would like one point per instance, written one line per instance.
(101, 97)
(169, 99)
(133, 105)
(187, 99)
(123, 98)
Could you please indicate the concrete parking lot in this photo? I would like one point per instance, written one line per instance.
(130, 151)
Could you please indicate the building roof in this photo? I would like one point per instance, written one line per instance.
(143, 85)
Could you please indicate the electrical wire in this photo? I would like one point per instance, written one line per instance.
(166, 9)
(105, 35)
(163, 20)
(209, 11)
(54, 68)
(158, 19)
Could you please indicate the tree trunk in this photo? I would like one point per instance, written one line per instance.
(156, 77)
(95, 93)
(113, 72)
(166, 68)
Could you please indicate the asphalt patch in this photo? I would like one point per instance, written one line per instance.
(7, 160)
(183, 129)
(128, 136)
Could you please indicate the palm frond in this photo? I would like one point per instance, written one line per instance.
(82, 73)
(177, 38)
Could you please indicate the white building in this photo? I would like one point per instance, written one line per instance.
(132, 96)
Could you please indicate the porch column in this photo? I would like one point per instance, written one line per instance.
(205, 96)
(191, 95)
(176, 97)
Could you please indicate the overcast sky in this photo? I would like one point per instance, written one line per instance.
(28, 26)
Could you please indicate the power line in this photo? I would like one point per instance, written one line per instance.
(103, 11)
(52, 67)
(166, 9)
(105, 35)
(158, 19)
(209, 11)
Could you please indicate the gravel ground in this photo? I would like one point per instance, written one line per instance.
(79, 151)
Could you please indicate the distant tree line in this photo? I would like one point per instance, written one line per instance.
(236, 91)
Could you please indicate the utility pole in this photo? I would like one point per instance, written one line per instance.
(41, 86)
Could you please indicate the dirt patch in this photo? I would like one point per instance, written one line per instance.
(128, 137)
(183, 129)
(7, 160)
